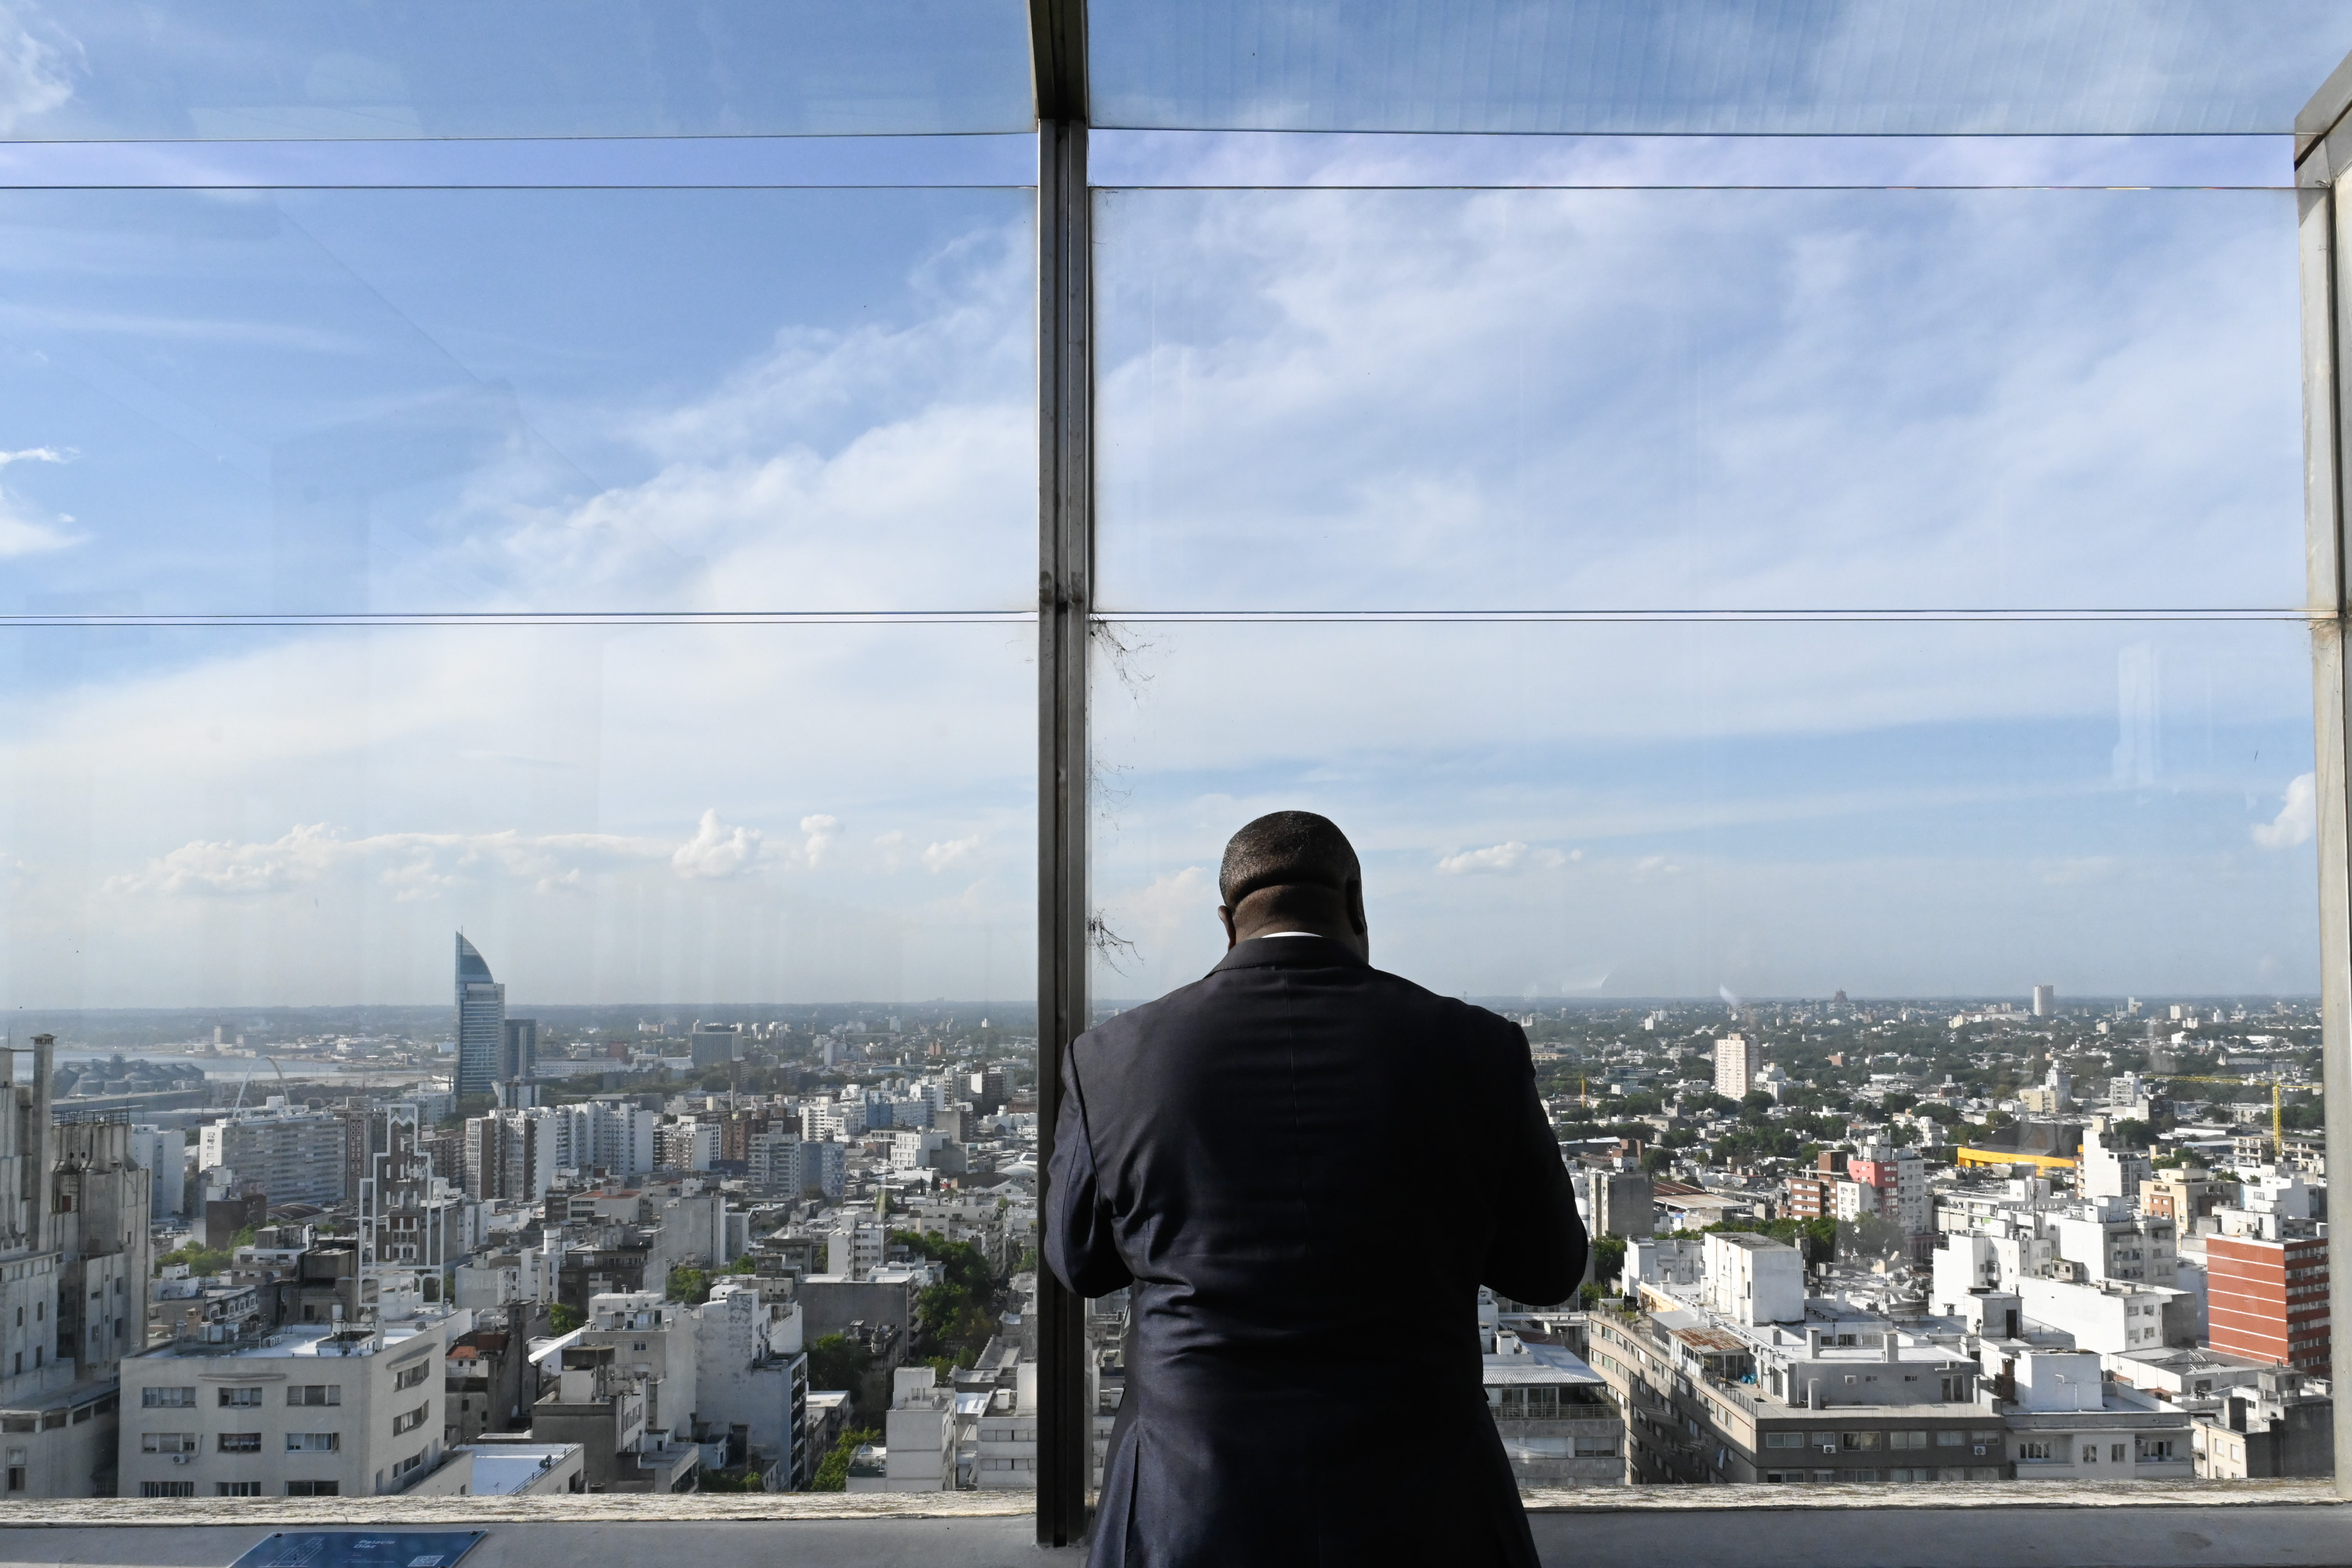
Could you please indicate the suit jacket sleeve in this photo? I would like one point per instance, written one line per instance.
(1538, 1253)
(1081, 1242)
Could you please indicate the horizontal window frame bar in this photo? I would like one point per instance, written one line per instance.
(396, 620)
(1678, 617)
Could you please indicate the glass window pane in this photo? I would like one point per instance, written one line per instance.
(1722, 400)
(430, 401)
(1762, 67)
(227, 824)
(105, 69)
(1598, 814)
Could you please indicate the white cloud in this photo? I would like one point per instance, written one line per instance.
(1494, 858)
(20, 534)
(717, 849)
(23, 536)
(2297, 819)
(412, 865)
(32, 74)
(822, 831)
(1304, 380)
(954, 852)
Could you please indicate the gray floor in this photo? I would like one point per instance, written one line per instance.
(2057, 1536)
(835, 1543)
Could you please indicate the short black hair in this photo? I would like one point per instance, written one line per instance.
(1286, 849)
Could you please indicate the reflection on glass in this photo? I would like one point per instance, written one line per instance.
(230, 820)
(1776, 67)
(1576, 810)
(1710, 399)
(601, 978)
(501, 400)
(104, 69)
(1869, 970)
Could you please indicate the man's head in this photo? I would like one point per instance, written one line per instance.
(1293, 870)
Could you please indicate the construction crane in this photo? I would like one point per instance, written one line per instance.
(2278, 1108)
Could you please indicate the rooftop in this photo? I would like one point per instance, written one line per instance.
(504, 1469)
(301, 1339)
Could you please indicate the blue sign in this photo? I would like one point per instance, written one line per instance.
(360, 1549)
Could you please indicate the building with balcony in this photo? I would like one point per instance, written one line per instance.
(74, 1250)
(2268, 1300)
(343, 1408)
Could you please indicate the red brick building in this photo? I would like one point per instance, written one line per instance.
(2268, 1300)
(1808, 1197)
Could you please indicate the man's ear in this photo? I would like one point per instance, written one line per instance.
(1356, 920)
(1226, 917)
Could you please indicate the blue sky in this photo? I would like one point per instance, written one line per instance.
(689, 403)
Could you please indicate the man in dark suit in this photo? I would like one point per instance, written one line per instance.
(1305, 1168)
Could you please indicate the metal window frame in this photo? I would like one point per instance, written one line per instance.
(2323, 157)
(1058, 37)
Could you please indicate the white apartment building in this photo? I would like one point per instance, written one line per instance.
(653, 1340)
(2108, 1173)
(685, 1146)
(1005, 1452)
(293, 1154)
(1735, 1066)
(73, 1288)
(2106, 1319)
(2111, 1243)
(751, 1371)
(920, 1434)
(2065, 1423)
(314, 1410)
(612, 1136)
(1752, 1279)
(856, 1248)
(162, 1154)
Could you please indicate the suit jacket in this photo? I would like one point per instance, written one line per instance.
(1305, 1168)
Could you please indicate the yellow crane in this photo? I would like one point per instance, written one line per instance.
(2278, 1114)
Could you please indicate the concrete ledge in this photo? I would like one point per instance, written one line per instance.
(435, 1512)
(2257, 1524)
(702, 1508)
(1937, 1497)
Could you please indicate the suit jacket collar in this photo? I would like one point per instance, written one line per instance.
(1288, 952)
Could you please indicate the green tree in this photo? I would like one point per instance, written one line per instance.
(837, 1360)
(563, 1319)
(691, 1286)
(200, 1260)
(955, 1319)
(1608, 1257)
(832, 1474)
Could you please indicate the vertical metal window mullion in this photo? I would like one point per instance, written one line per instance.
(2322, 222)
(1065, 581)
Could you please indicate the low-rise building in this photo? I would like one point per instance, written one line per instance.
(335, 1409)
(2282, 1423)
(1559, 1425)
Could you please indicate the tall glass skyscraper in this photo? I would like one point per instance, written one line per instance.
(481, 1022)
